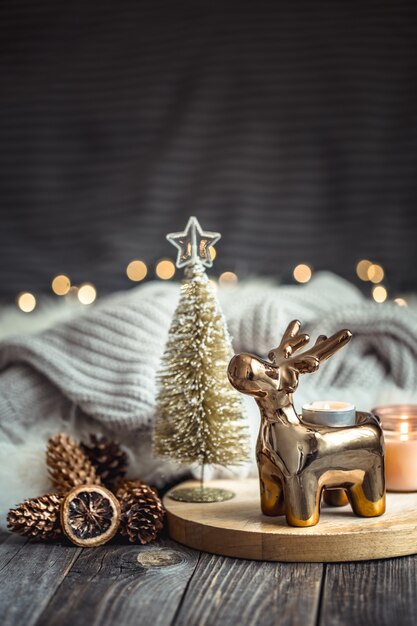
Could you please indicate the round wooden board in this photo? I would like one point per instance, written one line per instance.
(237, 528)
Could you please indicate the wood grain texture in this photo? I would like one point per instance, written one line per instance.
(123, 584)
(30, 573)
(232, 591)
(376, 592)
(237, 528)
(164, 584)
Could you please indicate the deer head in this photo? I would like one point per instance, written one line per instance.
(279, 378)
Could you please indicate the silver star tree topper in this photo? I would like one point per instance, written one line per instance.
(193, 244)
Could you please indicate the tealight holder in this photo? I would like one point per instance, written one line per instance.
(399, 423)
(334, 414)
(298, 460)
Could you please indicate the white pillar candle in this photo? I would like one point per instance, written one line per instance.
(330, 413)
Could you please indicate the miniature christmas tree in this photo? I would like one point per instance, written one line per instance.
(199, 414)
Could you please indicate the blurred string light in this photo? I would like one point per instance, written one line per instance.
(165, 269)
(302, 273)
(136, 270)
(26, 302)
(368, 271)
(61, 285)
(379, 293)
(362, 269)
(228, 278)
(87, 293)
(375, 273)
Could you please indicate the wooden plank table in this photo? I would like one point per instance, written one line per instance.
(166, 584)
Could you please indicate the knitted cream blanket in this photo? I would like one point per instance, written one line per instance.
(97, 371)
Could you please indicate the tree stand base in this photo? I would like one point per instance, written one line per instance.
(201, 494)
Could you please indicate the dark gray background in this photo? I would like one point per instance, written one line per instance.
(288, 126)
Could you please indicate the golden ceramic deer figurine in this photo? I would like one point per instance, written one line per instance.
(297, 460)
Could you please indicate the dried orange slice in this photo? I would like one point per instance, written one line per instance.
(90, 515)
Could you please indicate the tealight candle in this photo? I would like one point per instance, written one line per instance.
(399, 423)
(330, 413)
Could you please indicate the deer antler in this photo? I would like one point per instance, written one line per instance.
(309, 360)
(291, 342)
(324, 347)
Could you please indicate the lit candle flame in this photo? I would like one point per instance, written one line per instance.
(404, 429)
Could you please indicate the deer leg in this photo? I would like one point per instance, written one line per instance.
(335, 497)
(302, 500)
(368, 497)
(272, 494)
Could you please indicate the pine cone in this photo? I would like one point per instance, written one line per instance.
(37, 518)
(68, 465)
(131, 487)
(108, 458)
(142, 514)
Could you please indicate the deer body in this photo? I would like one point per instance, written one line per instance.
(296, 460)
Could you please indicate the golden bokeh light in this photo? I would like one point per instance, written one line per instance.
(379, 293)
(228, 278)
(86, 293)
(26, 302)
(165, 269)
(136, 270)
(362, 269)
(213, 283)
(400, 301)
(375, 273)
(61, 285)
(302, 273)
(213, 252)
